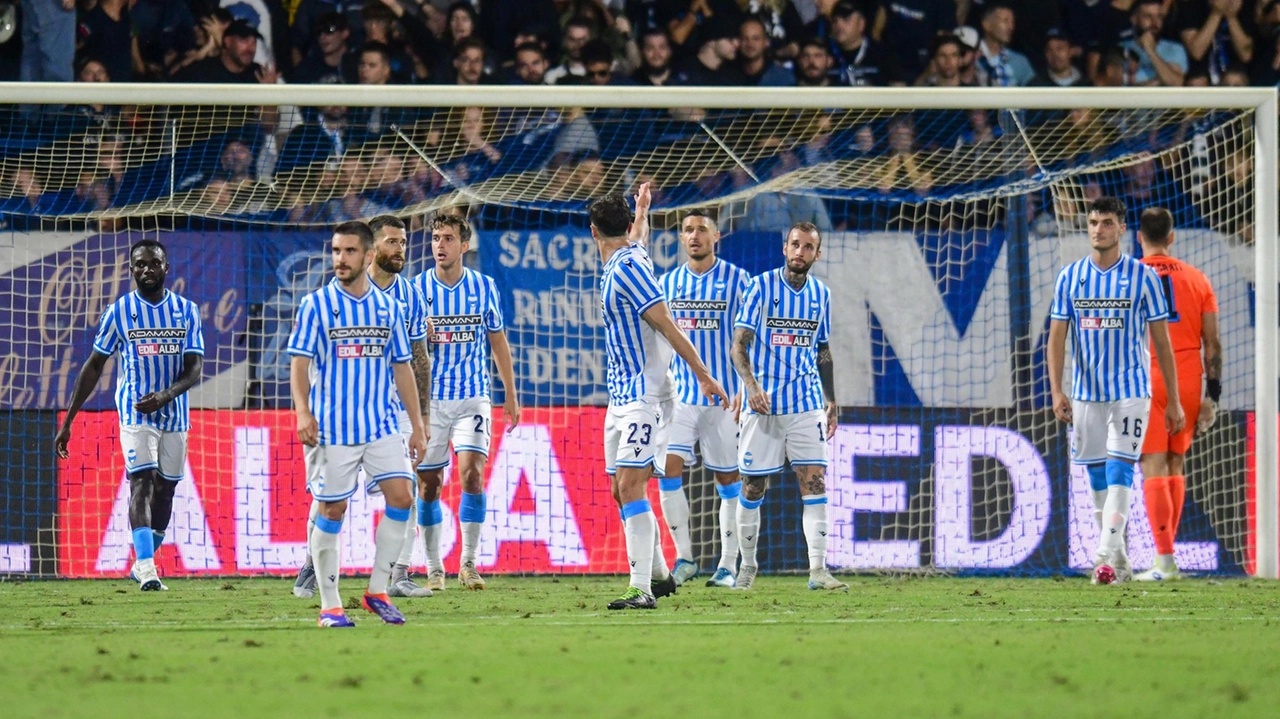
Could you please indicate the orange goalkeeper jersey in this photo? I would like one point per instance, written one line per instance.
(1189, 296)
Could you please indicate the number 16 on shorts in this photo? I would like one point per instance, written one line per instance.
(1108, 429)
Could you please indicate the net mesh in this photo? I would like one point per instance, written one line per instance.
(943, 233)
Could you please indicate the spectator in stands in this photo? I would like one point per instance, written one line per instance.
(469, 58)
(418, 55)
(1217, 35)
(576, 34)
(687, 26)
(1114, 69)
(163, 32)
(646, 15)
(94, 117)
(234, 64)
(980, 131)
(969, 42)
(306, 17)
(380, 27)
(997, 64)
(530, 67)
(1160, 61)
(329, 62)
(261, 15)
(713, 64)
(318, 140)
(908, 29)
(353, 179)
(235, 163)
(774, 211)
(655, 58)
(903, 170)
(1265, 68)
(1060, 68)
(369, 123)
(208, 40)
(597, 58)
(502, 20)
(754, 57)
(106, 32)
(859, 60)
(461, 21)
(48, 40)
(27, 186)
(947, 60)
(814, 63)
(780, 22)
(1235, 76)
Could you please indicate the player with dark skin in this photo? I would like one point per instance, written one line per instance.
(150, 496)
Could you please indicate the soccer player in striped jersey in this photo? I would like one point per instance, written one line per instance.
(466, 316)
(1193, 327)
(350, 357)
(640, 334)
(704, 295)
(161, 346)
(1109, 300)
(390, 245)
(781, 352)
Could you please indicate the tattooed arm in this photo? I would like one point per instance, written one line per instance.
(422, 378)
(827, 373)
(757, 400)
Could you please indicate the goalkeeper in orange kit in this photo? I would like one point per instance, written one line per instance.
(1193, 328)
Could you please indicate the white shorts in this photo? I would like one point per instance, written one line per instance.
(632, 435)
(333, 470)
(1108, 429)
(466, 423)
(766, 441)
(146, 447)
(712, 430)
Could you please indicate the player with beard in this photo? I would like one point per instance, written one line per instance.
(161, 350)
(782, 353)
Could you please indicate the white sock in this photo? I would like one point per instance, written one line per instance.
(406, 552)
(1099, 501)
(324, 552)
(1166, 563)
(387, 542)
(1115, 514)
(814, 521)
(470, 540)
(675, 509)
(748, 530)
(311, 525)
(431, 543)
(640, 527)
(729, 534)
(659, 563)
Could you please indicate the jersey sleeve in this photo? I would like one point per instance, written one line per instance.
(108, 338)
(416, 323)
(195, 332)
(1155, 305)
(493, 313)
(1208, 300)
(305, 339)
(1061, 309)
(637, 284)
(749, 313)
(824, 322)
(399, 344)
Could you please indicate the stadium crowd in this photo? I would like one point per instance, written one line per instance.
(341, 163)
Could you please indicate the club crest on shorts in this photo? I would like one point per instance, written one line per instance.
(747, 459)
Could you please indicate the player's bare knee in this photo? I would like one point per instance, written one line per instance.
(333, 510)
(724, 479)
(429, 483)
(753, 488)
(812, 480)
(631, 483)
(398, 493)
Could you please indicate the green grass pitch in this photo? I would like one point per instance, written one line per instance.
(546, 647)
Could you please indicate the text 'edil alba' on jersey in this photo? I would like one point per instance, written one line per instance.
(462, 316)
(789, 324)
(1109, 311)
(704, 307)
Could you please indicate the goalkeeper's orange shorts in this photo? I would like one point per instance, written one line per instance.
(1158, 439)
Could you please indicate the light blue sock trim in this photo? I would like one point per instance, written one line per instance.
(750, 503)
(671, 484)
(730, 491)
(397, 515)
(429, 513)
(631, 509)
(1119, 473)
(815, 500)
(1097, 477)
(142, 543)
(471, 509)
(328, 526)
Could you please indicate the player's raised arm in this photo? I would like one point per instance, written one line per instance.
(1056, 356)
(1211, 341)
(659, 318)
(1173, 415)
(89, 376)
(506, 370)
(639, 232)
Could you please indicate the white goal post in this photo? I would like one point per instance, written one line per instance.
(1261, 101)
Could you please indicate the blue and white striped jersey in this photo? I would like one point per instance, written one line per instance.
(1109, 311)
(414, 309)
(638, 356)
(152, 340)
(462, 316)
(352, 342)
(789, 325)
(705, 307)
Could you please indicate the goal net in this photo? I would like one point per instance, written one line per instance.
(945, 219)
